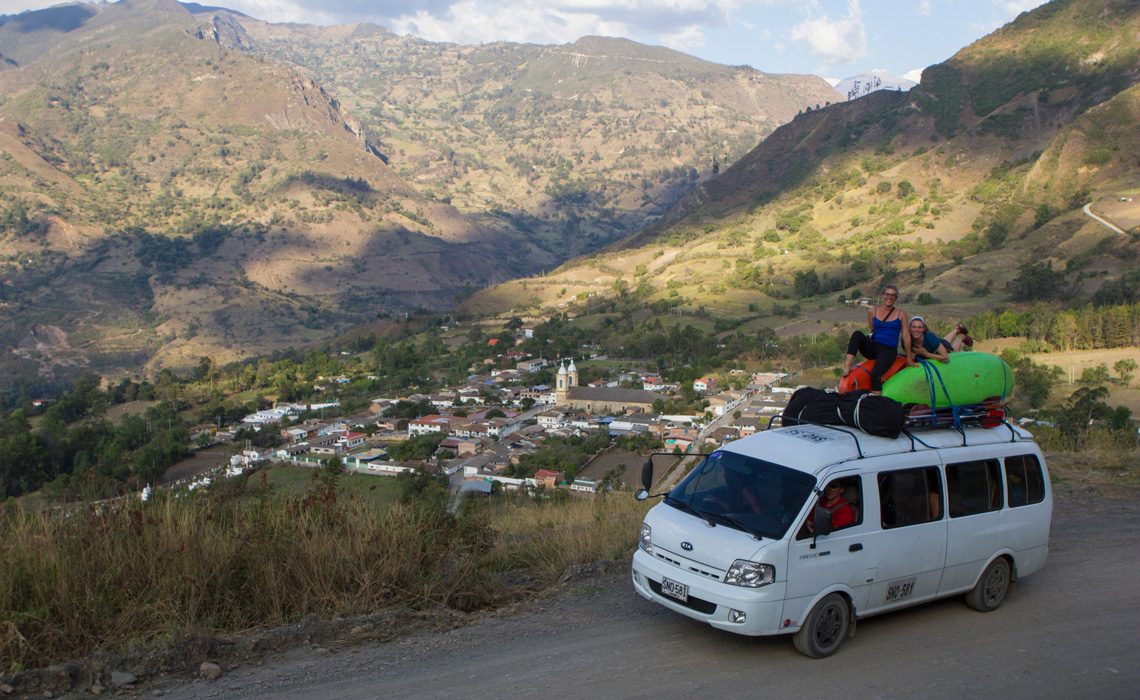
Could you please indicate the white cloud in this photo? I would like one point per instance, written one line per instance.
(687, 39)
(282, 11)
(470, 22)
(914, 75)
(1013, 8)
(924, 8)
(835, 41)
(676, 23)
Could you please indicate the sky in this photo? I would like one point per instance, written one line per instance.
(834, 39)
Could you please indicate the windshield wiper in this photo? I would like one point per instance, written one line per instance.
(734, 522)
(688, 508)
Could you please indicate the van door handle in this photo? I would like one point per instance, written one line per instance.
(857, 547)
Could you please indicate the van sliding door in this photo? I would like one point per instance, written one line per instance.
(910, 548)
(977, 528)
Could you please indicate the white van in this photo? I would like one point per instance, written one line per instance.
(742, 544)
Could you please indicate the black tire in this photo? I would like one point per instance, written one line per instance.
(825, 627)
(992, 587)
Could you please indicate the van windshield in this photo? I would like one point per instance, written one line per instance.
(749, 494)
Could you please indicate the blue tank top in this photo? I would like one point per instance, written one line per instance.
(886, 332)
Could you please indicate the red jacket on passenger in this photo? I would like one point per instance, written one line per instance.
(842, 514)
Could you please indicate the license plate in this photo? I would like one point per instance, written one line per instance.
(675, 590)
(899, 590)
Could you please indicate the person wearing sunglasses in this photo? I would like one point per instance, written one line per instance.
(887, 322)
(842, 514)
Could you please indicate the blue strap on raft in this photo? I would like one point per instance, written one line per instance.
(932, 374)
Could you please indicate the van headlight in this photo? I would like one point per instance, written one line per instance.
(646, 541)
(750, 574)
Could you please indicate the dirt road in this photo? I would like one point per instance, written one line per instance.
(1069, 630)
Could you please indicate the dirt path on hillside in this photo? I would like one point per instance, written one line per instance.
(1067, 630)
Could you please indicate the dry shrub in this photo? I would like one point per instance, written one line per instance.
(82, 579)
(106, 577)
(1103, 467)
(550, 536)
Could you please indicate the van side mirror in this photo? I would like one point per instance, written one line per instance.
(821, 521)
(646, 474)
(641, 495)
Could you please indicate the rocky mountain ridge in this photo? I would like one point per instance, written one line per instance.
(179, 184)
(950, 189)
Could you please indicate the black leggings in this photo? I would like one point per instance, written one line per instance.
(883, 355)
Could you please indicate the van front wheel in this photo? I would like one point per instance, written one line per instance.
(825, 627)
(992, 587)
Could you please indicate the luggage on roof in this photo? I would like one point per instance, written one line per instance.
(874, 415)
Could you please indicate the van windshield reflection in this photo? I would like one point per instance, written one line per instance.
(744, 493)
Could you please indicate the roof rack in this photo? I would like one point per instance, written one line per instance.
(1013, 436)
(961, 430)
(800, 421)
(914, 439)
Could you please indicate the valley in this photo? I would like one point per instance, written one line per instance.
(510, 268)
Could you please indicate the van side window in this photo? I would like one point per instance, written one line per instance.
(910, 497)
(973, 487)
(1024, 480)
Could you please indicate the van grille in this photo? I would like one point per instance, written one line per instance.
(699, 604)
(687, 566)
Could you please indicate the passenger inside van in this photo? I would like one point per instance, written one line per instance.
(909, 497)
(842, 513)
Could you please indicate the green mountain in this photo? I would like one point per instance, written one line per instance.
(950, 190)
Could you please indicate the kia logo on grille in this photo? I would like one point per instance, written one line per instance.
(687, 546)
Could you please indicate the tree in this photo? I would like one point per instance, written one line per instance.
(806, 284)
(1095, 375)
(1085, 406)
(1125, 369)
(1120, 419)
(205, 368)
(1037, 281)
(1034, 382)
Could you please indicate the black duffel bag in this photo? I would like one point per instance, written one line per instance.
(874, 415)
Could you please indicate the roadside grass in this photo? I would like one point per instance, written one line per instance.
(547, 537)
(116, 576)
(1102, 465)
(292, 480)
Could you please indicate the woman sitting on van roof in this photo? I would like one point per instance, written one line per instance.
(887, 322)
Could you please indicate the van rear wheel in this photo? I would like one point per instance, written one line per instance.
(825, 627)
(992, 587)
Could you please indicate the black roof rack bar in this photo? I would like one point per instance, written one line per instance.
(962, 432)
(914, 439)
(1013, 436)
(800, 421)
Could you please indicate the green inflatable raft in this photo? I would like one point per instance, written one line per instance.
(968, 378)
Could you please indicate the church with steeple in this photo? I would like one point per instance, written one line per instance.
(567, 377)
(567, 392)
